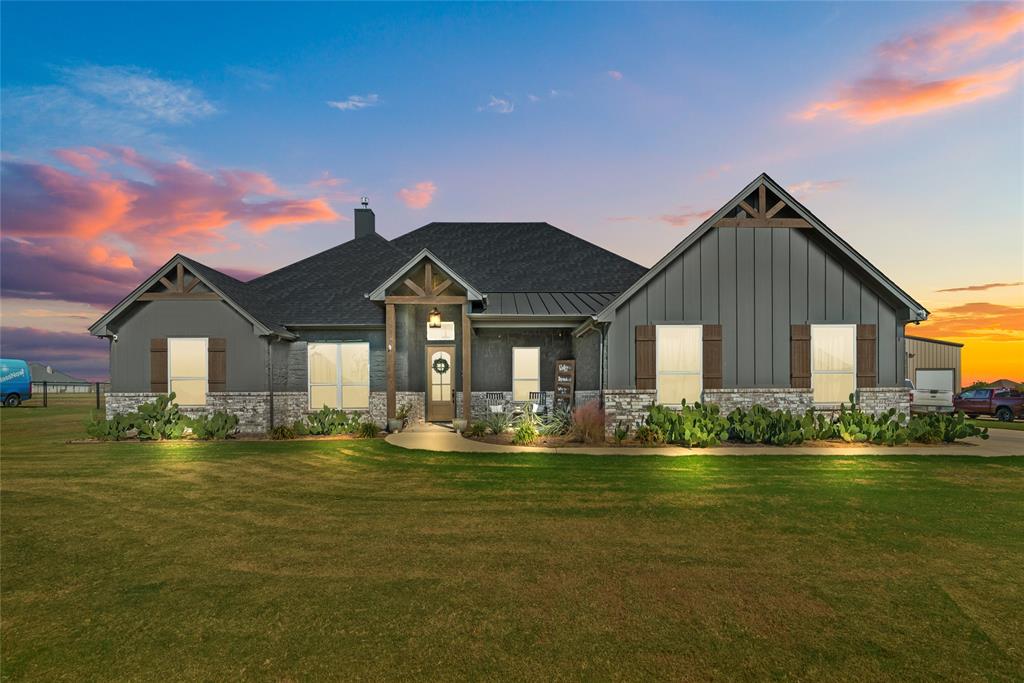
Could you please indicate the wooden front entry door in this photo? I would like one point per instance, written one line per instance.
(440, 383)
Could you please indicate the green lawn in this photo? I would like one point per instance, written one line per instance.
(313, 560)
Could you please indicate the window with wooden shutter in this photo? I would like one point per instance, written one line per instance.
(833, 363)
(218, 361)
(188, 369)
(800, 356)
(678, 349)
(646, 358)
(867, 359)
(713, 356)
(158, 365)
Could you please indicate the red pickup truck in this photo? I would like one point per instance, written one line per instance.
(1005, 404)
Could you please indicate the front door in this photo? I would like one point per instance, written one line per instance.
(440, 374)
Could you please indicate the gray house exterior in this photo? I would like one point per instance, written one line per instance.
(762, 303)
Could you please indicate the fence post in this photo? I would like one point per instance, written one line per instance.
(97, 395)
(45, 383)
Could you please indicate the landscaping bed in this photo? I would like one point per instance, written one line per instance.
(703, 425)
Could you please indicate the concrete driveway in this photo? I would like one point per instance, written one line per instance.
(430, 437)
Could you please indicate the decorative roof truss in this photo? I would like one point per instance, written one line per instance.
(185, 285)
(762, 208)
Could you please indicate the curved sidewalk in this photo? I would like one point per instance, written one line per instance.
(430, 437)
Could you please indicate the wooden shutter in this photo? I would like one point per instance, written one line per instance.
(867, 365)
(158, 365)
(712, 356)
(800, 356)
(646, 357)
(218, 367)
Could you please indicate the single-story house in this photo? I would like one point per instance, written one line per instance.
(934, 363)
(762, 303)
(57, 381)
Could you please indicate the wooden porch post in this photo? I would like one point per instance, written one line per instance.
(467, 364)
(390, 334)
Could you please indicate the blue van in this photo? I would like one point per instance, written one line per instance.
(15, 382)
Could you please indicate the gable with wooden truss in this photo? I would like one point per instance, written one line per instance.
(180, 280)
(764, 204)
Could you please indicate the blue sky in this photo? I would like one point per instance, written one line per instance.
(621, 123)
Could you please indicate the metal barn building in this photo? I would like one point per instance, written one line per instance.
(933, 363)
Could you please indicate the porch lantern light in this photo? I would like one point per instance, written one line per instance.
(434, 318)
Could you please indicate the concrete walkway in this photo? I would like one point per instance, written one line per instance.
(431, 437)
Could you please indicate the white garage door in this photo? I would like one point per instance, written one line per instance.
(935, 379)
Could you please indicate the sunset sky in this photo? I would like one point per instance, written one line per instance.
(244, 134)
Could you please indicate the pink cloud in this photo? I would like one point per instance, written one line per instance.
(809, 187)
(716, 171)
(85, 159)
(171, 200)
(615, 75)
(91, 236)
(982, 27)
(419, 196)
(873, 100)
(932, 69)
(686, 218)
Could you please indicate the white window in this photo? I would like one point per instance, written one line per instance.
(188, 370)
(339, 375)
(525, 372)
(680, 363)
(833, 362)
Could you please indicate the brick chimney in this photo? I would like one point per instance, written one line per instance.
(365, 222)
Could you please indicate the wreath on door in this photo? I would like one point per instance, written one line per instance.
(441, 366)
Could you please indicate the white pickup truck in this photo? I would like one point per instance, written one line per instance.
(929, 400)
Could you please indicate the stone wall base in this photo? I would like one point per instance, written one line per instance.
(796, 401)
(251, 407)
(626, 406)
(877, 400)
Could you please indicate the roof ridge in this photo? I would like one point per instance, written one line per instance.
(325, 251)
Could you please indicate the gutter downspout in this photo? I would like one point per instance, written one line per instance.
(602, 373)
(270, 378)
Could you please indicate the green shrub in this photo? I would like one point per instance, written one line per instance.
(161, 419)
(219, 425)
(476, 429)
(329, 421)
(695, 424)
(158, 419)
(282, 432)
(588, 423)
(648, 435)
(773, 427)
(525, 432)
(114, 429)
(621, 432)
(367, 429)
(937, 428)
(556, 423)
(497, 423)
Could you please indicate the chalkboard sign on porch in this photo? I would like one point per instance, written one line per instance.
(565, 383)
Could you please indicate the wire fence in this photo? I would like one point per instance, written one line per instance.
(46, 394)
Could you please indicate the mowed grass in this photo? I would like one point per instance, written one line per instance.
(336, 560)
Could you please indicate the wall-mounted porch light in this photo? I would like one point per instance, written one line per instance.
(434, 318)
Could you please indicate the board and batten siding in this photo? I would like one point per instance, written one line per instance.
(926, 354)
(756, 282)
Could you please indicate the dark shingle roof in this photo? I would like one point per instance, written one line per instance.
(545, 271)
(522, 257)
(330, 287)
(239, 292)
